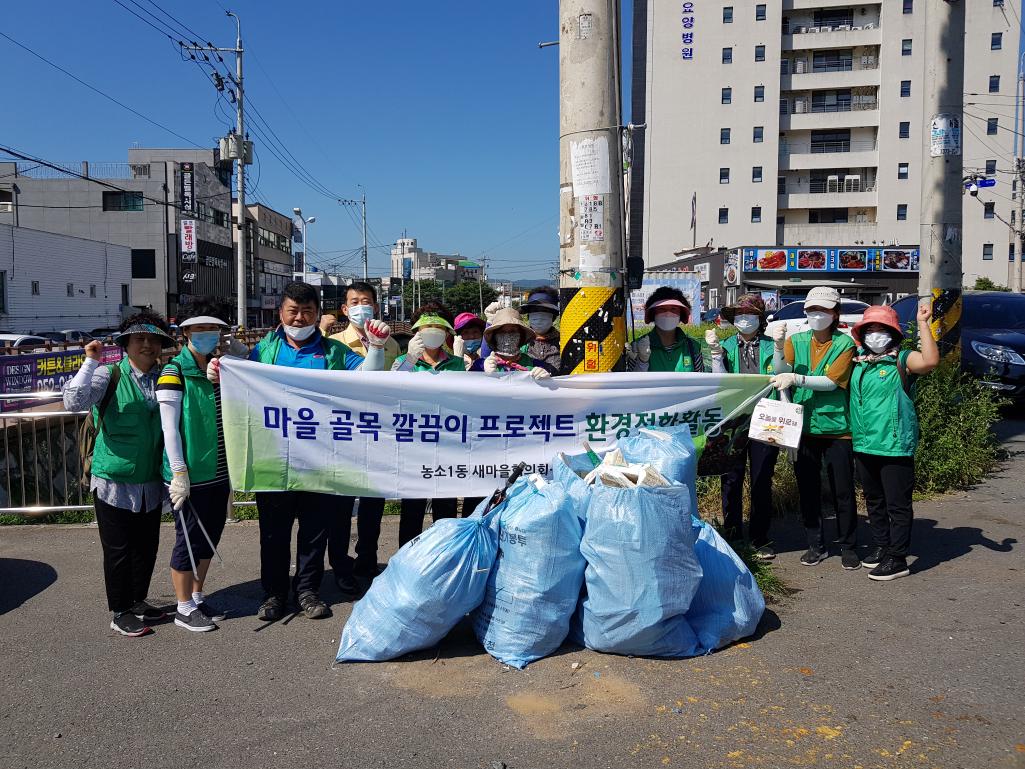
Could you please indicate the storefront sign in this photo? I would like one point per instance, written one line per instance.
(43, 372)
(188, 189)
(822, 259)
(687, 35)
(189, 243)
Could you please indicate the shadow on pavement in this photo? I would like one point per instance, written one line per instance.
(21, 580)
(936, 545)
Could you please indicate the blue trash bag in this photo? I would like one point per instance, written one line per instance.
(642, 572)
(534, 586)
(675, 457)
(429, 586)
(728, 604)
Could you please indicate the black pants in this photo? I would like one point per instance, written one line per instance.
(838, 457)
(411, 520)
(762, 460)
(209, 504)
(130, 541)
(888, 483)
(278, 511)
(368, 532)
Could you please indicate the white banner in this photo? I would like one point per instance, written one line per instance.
(423, 435)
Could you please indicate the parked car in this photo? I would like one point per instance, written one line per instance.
(992, 337)
(792, 315)
(104, 333)
(28, 341)
(69, 336)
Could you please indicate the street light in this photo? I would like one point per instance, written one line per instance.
(306, 243)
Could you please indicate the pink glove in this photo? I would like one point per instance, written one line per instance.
(378, 332)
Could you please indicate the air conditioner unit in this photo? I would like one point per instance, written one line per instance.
(870, 25)
(855, 29)
(800, 107)
(813, 30)
(844, 28)
(6, 208)
(852, 183)
(801, 30)
(799, 66)
(832, 184)
(861, 219)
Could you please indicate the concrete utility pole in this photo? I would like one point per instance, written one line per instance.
(362, 203)
(1019, 230)
(593, 327)
(940, 276)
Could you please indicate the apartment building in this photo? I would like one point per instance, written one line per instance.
(798, 128)
(269, 261)
(411, 262)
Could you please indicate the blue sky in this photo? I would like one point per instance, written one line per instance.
(447, 113)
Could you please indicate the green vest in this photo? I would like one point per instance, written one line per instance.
(451, 363)
(731, 348)
(334, 351)
(825, 413)
(198, 425)
(128, 442)
(883, 417)
(678, 358)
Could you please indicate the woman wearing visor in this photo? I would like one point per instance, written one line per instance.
(666, 347)
(127, 491)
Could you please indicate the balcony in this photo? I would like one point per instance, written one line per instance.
(802, 114)
(844, 36)
(850, 191)
(814, 5)
(861, 70)
(854, 233)
(856, 154)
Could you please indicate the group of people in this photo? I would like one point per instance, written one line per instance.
(158, 433)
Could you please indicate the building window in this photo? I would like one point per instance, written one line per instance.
(905, 47)
(996, 41)
(902, 170)
(991, 126)
(759, 93)
(1010, 252)
(781, 185)
(71, 289)
(727, 55)
(991, 167)
(724, 216)
(727, 14)
(904, 132)
(724, 136)
(987, 252)
(122, 201)
(126, 294)
(989, 210)
(758, 135)
(144, 263)
(35, 288)
(756, 214)
(727, 95)
(909, 6)
(759, 53)
(902, 212)
(92, 290)
(3, 292)
(994, 83)
(760, 12)
(756, 174)
(905, 88)
(724, 176)
(784, 66)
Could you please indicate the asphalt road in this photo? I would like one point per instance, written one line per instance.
(922, 672)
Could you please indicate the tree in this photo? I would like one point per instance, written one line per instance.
(470, 296)
(423, 291)
(985, 284)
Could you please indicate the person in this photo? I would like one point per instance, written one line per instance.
(541, 309)
(884, 431)
(749, 351)
(426, 352)
(817, 365)
(507, 337)
(353, 576)
(194, 465)
(298, 343)
(666, 347)
(469, 330)
(127, 491)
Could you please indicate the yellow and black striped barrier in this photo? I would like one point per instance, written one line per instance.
(592, 330)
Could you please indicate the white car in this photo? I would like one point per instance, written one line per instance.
(792, 315)
(23, 341)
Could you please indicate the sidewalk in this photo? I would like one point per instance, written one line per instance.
(921, 672)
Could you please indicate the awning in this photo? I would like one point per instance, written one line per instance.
(811, 283)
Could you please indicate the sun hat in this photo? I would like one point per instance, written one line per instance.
(882, 315)
(746, 304)
(822, 296)
(508, 316)
(465, 319)
(539, 301)
(649, 312)
(202, 319)
(166, 340)
(430, 319)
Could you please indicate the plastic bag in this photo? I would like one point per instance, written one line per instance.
(728, 604)
(430, 584)
(534, 586)
(670, 451)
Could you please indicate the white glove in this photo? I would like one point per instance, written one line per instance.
(712, 340)
(179, 490)
(491, 309)
(378, 332)
(213, 370)
(642, 348)
(779, 334)
(415, 349)
(458, 347)
(540, 373)
(783, 381)
(491, 364)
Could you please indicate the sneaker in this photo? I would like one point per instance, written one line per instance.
(874, 558)
(346, 583)
(211, 612)
(890, 568)
(312, 606)
(813, 556)
(849, 560)
(147, 612)
(128, 624)
(272, 609)
(196, 621)
(764, 552)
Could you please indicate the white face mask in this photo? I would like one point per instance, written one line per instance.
(507, 342)
(819, 321)
(433, 338)
(667, 321)
(747, 324)
(878, 341)
(541, 322)
(360, 314)
(299, 333)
